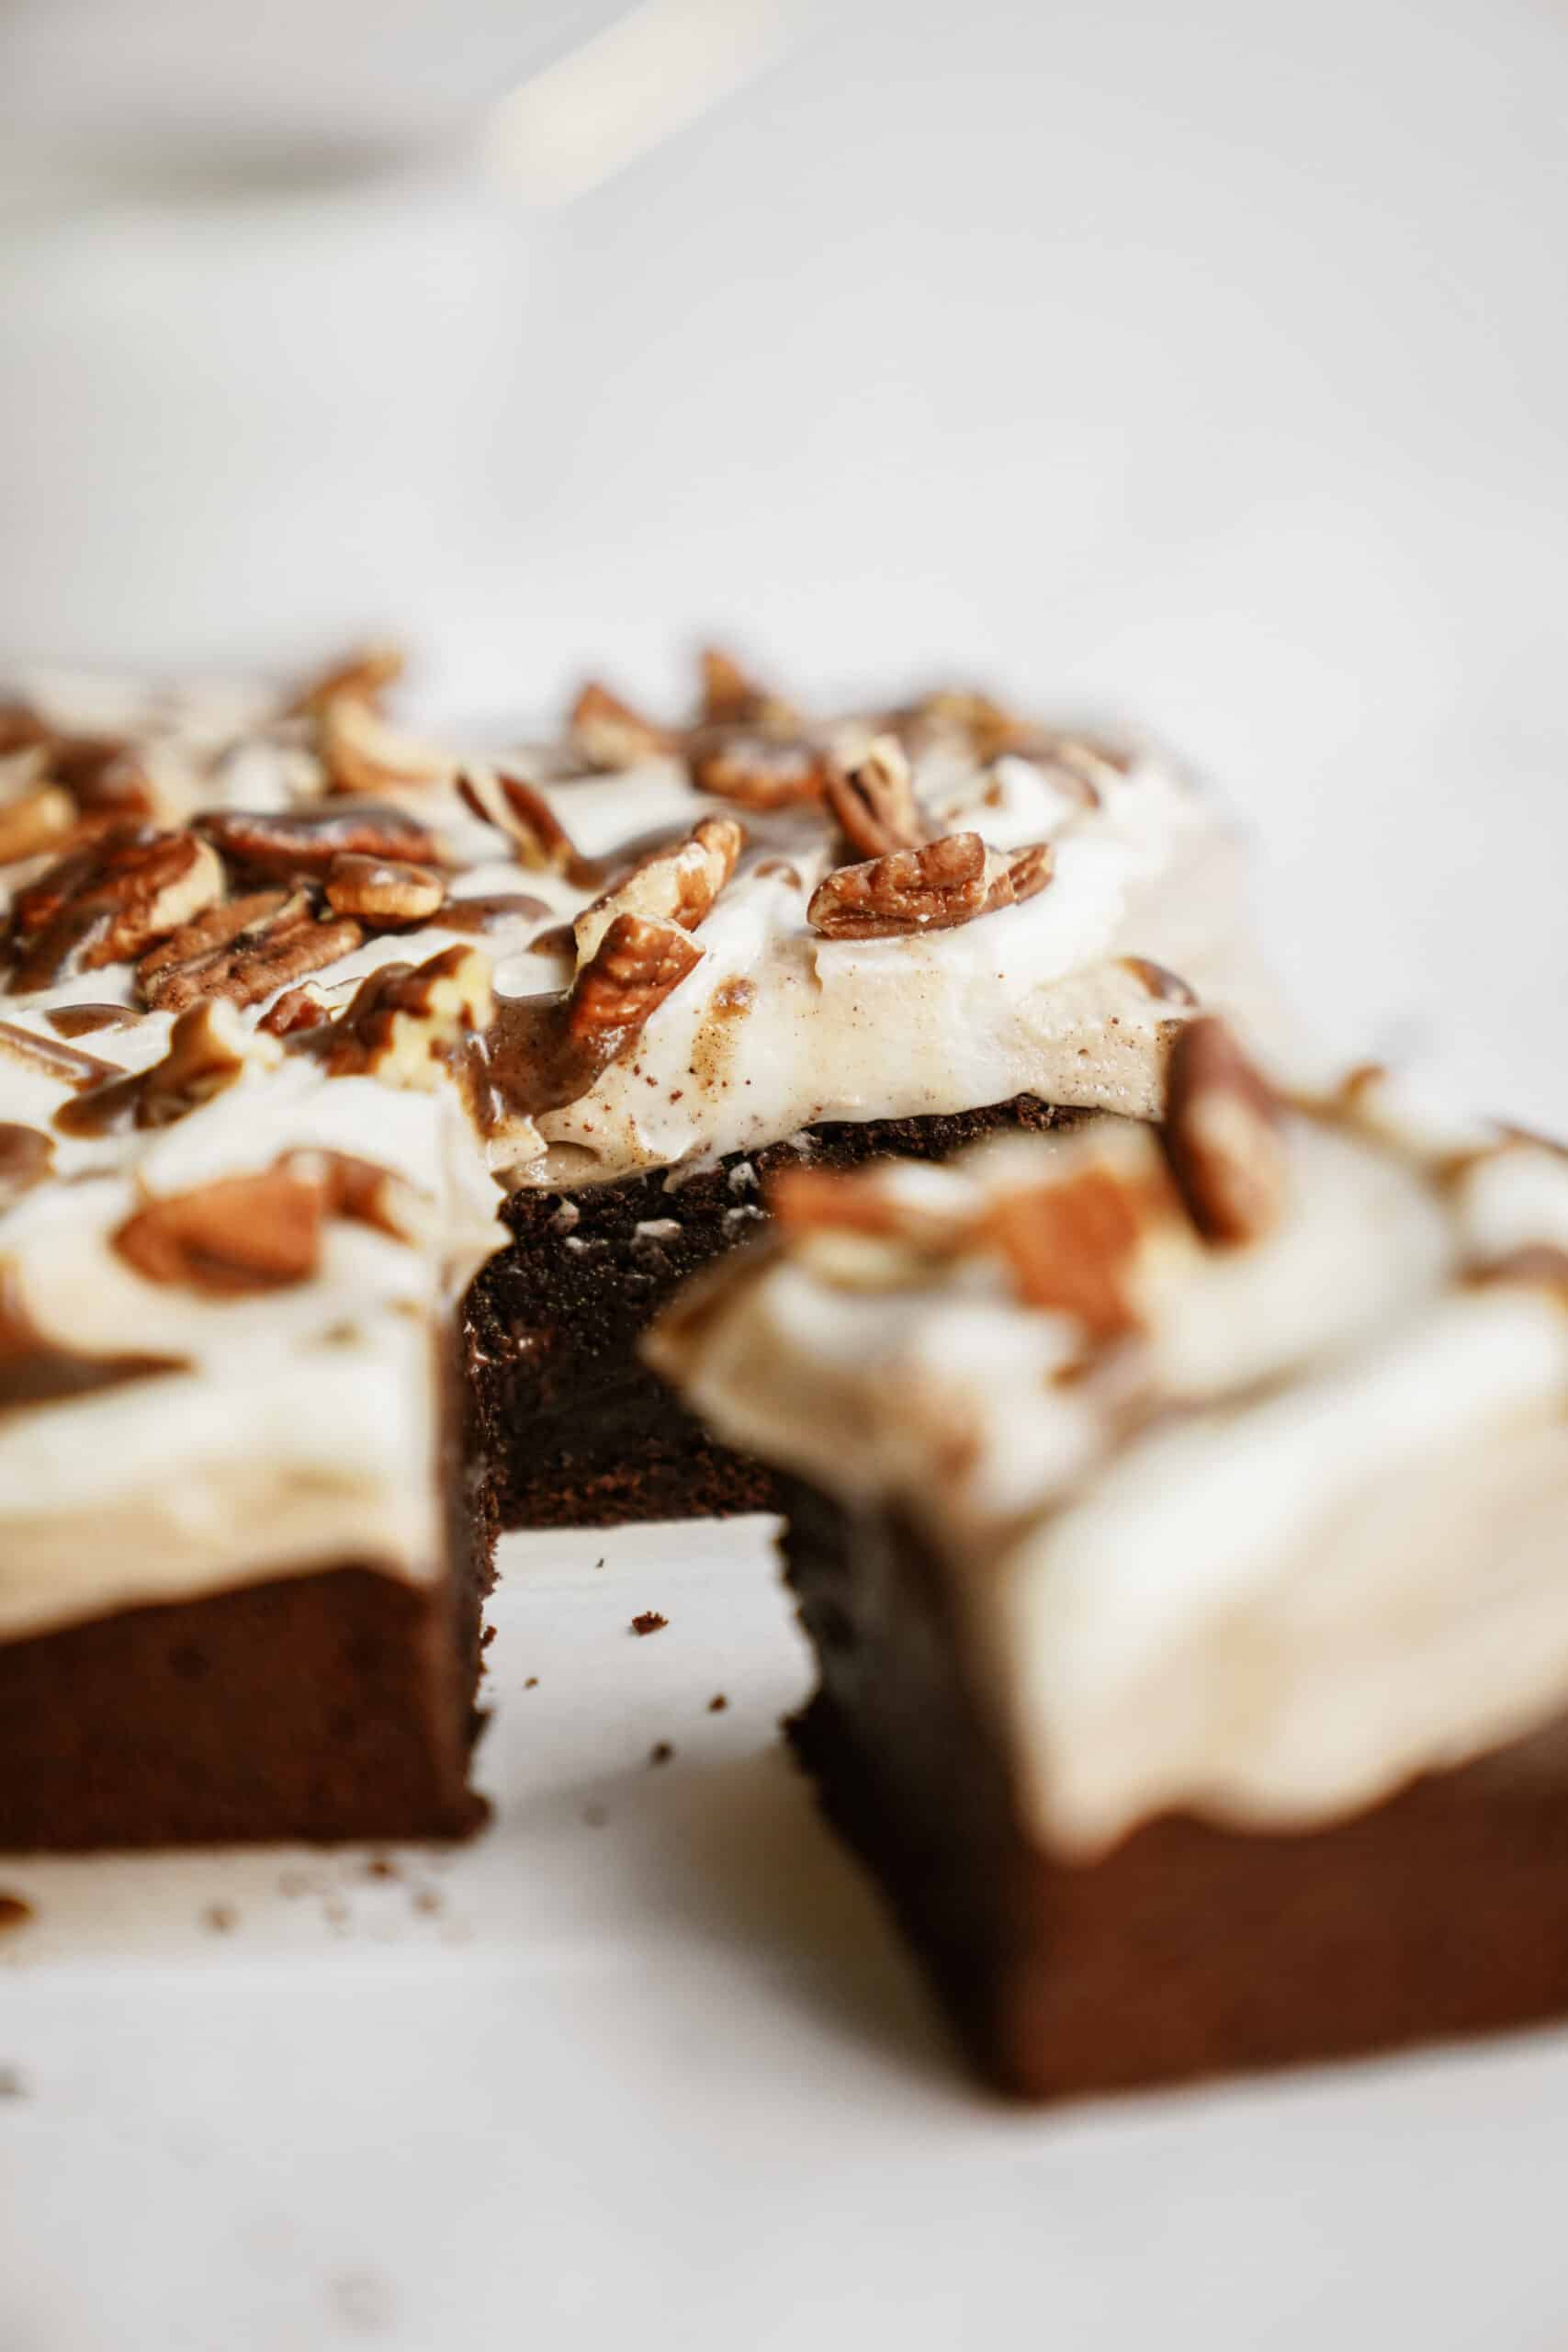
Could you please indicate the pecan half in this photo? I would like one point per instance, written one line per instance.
(406, 1020)
(874, 800)
(1223, 1135)
(274, 941)
(261, 1232)
(383, 893)
(295, 846)
(237, 1234)
(757, 772)
(362, 675)
(129, 894)
(40, 821)
(362, 754)
(630, 973)
(676, 885)
(948, 882)
(608, 733)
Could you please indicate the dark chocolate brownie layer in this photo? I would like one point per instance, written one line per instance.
(575, 1428)
(334, 1704)
(1190, 1950)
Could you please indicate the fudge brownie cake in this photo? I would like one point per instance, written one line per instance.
(1181, 1521)
(296, 1005)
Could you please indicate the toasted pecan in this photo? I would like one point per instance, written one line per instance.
(674, 885)
(261, 1231)
(405, 1020)
(757, 772)
(608, 733)
(872, 797)
(236, 1235)
(1223, 1135)
(111, 904)
(37, 821)
(947, 882)
(520, 809)
(362, 753)
(300, 845)
(1073, 1242)
(731, 697)
(632, 970)
(383, 892)
(269, 951)
(362, 675)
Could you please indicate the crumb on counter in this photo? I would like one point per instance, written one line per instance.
(648, 1620)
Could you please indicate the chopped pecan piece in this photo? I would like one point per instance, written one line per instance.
(675, 884)
(630, 973)
(856, 1200)
(209, 1047)
(874, 800)
(520, 810)
(362, 753)
(383, 893)
(950, 881)
(758, 772)
(405, 1020)
(1073, 1242)
(20, 729)
(105, 775)
(732, 697)
(1223, 1135)
(280, 941)
(295, 847)
(260, 1232)
(1169, 987)
(40, 821)
(27, 1155)
(110, 909)
(295, 1010)
(608, 733)
(237, 1234)
(363, 676)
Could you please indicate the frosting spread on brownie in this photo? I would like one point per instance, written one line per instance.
(288, 1000)
(1247, 1450)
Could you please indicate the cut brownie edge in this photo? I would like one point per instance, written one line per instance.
(1190, 1951)
(577, 1431)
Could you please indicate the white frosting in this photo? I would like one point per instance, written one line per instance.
(1297, 1539)
(300, 1424)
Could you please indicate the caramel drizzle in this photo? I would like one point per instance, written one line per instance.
(67, 1063)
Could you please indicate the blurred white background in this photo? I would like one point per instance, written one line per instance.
(1208, 363)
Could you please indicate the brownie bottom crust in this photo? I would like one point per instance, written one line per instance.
(576, 1430)
(1191, 1950)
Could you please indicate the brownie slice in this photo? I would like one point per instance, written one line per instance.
(577, 1431)
(334, 1704)
(1191, 1950)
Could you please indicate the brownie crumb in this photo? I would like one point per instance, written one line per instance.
(661, 1752)
(381, 1866)
(598, 1564)
(717, 1704)
(16, 1911)
(11, 2084)
(487, 1637)
(220, 1917)
(532, 1683)
(648, 1620)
